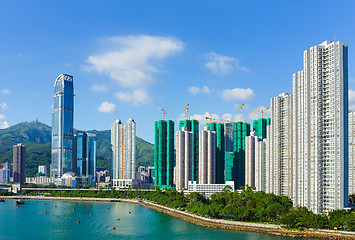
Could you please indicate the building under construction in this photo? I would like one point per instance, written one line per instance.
(260, 125)
(235, 166)
(164, 153)
(220, 150)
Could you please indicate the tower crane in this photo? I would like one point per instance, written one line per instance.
(241, 111)
(261, 110)
(211, 119)
(217, 120)
(163, 113)
(187, 111)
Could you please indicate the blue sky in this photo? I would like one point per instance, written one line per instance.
(131, 58)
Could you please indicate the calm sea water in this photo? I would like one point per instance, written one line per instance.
(30, 222)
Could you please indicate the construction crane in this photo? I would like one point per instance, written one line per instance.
(241, 111)
(211, 119)
(261, 110)
(217, 120)
(163, 113)
(187, 111)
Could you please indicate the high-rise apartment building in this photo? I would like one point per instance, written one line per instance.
(164, 154)
(19, 158)
(251, 142)
(218, 128)
(207, 157)
(123, 142)
(62, 126)
(279, 177)
(84, 157)
(320, 129)
(192, 126)
(351, 152)
(184, 161)
(260, 165)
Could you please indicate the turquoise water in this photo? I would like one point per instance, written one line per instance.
(30, 222)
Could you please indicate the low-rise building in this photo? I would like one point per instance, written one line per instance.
(124, 183)
(39, 180)
(208, 189)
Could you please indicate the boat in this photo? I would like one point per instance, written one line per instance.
(18, 202)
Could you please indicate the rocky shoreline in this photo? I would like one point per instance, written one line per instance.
(212, 223)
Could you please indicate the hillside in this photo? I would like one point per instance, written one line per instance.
(36, 136)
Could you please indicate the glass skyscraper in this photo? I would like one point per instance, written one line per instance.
(84, 155)
(62, 126)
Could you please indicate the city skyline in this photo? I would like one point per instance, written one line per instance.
(231, 59)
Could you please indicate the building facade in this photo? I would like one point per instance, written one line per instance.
(260, 165)
(218, 128)
(4, 175)
(84, 157)
(9, 166)
(208, 189)
(62, 126)
(123, 142)
(207, 157)
(250, 153)
(19, 161)
(240, 131)
(279, 178)
(192, 125)
(351, 152)
(164, 154)
(184, 159)
(42, 170)
(320, 129)
(259, 127)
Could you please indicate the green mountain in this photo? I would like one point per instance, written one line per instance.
(36, 136)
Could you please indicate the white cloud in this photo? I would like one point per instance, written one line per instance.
(351, 79)
(99, 88)
(237, 94)
(107, 107)
(223, 65)
(4, 124)
(136, 97)
(194, 90)
(2, 117)
(4, 106)
(5, 91)
(133, 60)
